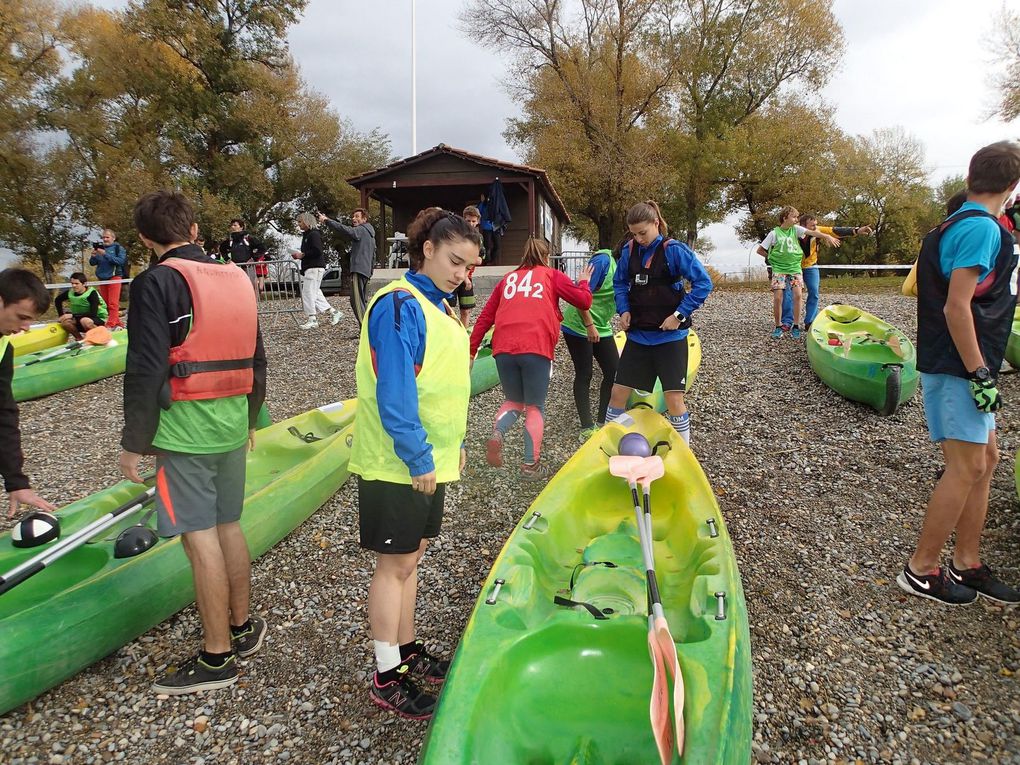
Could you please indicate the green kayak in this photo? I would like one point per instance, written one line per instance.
(540, 683)
(89, 603)
(1013, 344)
(44, 373)
(862, 357)
(483, 372)
(655, 399)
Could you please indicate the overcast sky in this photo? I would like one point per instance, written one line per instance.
(919, 65)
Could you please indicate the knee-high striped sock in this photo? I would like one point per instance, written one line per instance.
(682, 424)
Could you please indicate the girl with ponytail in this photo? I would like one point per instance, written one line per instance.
(413, 388)
(524, 307)
(655, 312)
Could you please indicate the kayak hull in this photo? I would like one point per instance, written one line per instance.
(561, 686)
(69, 370)
(655, 398)
(38, 339)
(88, 604)
(859, 359)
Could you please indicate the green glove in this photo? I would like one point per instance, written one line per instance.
(986, 396)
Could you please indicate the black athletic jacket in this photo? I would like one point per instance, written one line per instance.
(12, 461)
(159, 316)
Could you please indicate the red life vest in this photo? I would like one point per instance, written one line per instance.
(216, 358)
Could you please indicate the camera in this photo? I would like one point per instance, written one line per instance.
(98, 246)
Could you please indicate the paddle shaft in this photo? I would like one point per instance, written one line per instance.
(37, 563)
(52, 355)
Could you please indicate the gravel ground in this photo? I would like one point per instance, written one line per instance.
(823, 499)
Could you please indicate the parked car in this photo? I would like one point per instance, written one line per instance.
(331, 281)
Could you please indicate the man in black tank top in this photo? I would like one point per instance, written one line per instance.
(966, 288)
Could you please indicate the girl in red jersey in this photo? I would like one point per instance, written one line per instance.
(524, 307)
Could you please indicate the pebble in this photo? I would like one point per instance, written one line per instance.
(823, 500)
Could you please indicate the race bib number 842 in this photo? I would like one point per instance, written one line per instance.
(521, 284)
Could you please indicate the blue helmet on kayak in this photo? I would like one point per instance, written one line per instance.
(635, 445)
(36, 528)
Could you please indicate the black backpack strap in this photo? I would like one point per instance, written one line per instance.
(593, 610)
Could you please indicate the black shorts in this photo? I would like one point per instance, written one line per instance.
(96, 322)
(641, 364)
(394, 518)
(464, 296)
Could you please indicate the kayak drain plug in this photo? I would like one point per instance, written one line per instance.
(712, 530)
(531, 521)
(720, 606)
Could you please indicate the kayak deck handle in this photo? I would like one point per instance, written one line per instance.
(491, 600)
(713, 530)
(532, 520)
(720, 606)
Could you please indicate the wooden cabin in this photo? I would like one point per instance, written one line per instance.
(453, 178)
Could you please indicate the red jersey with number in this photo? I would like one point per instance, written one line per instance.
(524, 307)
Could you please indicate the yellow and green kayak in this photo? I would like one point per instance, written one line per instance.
(862, 357)
(537, 682)
(89, 603)
(38, 338)
(655, 399)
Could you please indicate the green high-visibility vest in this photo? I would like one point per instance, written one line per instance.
(80, 303)
(785, 254)
(444, 389)
(603, 304)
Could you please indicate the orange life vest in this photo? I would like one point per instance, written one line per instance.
(216, 358)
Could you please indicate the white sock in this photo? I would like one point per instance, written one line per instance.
(387, 655)
(682, 425)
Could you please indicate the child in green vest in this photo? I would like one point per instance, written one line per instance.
(781, 248)
(85, 310)
(414, 383)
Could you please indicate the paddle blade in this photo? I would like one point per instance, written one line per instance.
(658, 709)
(621, 465)
(650, 469)
(98, 336)
(667, 648)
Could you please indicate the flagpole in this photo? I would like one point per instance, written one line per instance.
(414, 82)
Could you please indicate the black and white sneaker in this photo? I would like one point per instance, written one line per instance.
(426, 666)
(248, 642)
(985, 583)
(935, 586)
(195, 675)
(402, 695)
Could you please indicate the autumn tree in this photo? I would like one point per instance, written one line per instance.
(588, 85)
(1005, 66)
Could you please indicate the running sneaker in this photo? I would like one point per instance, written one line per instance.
(587, 433)
(795, 333)
(195, 675)
(402, 696)
(935, 585)
(777, 333)
(426, 666)
(494, 449)
(250, 641)
(312, 323)
(785, 327)
(536, 471)
(985, 583)
(335, 317)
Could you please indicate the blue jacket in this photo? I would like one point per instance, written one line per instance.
(111, 262)
(497, 211)
(396, 335)
(683, 264)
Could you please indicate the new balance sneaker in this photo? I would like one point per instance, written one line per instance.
(250, 640)
(535, 471)
(985, 583)
(935, 585)
(335, 317)
(402, 696)
(312, 323)
(195, 675)
(423, 664)
(777, 333)
(494, 449)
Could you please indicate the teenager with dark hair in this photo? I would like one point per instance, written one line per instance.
(966, 297)
(414, 384)
(524, 308)
(86, 308)
(23, 298)
(241, 247)
(194, 381)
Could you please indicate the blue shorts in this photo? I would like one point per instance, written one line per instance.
(950, 411)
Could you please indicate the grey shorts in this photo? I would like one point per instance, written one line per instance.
(199, 491)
